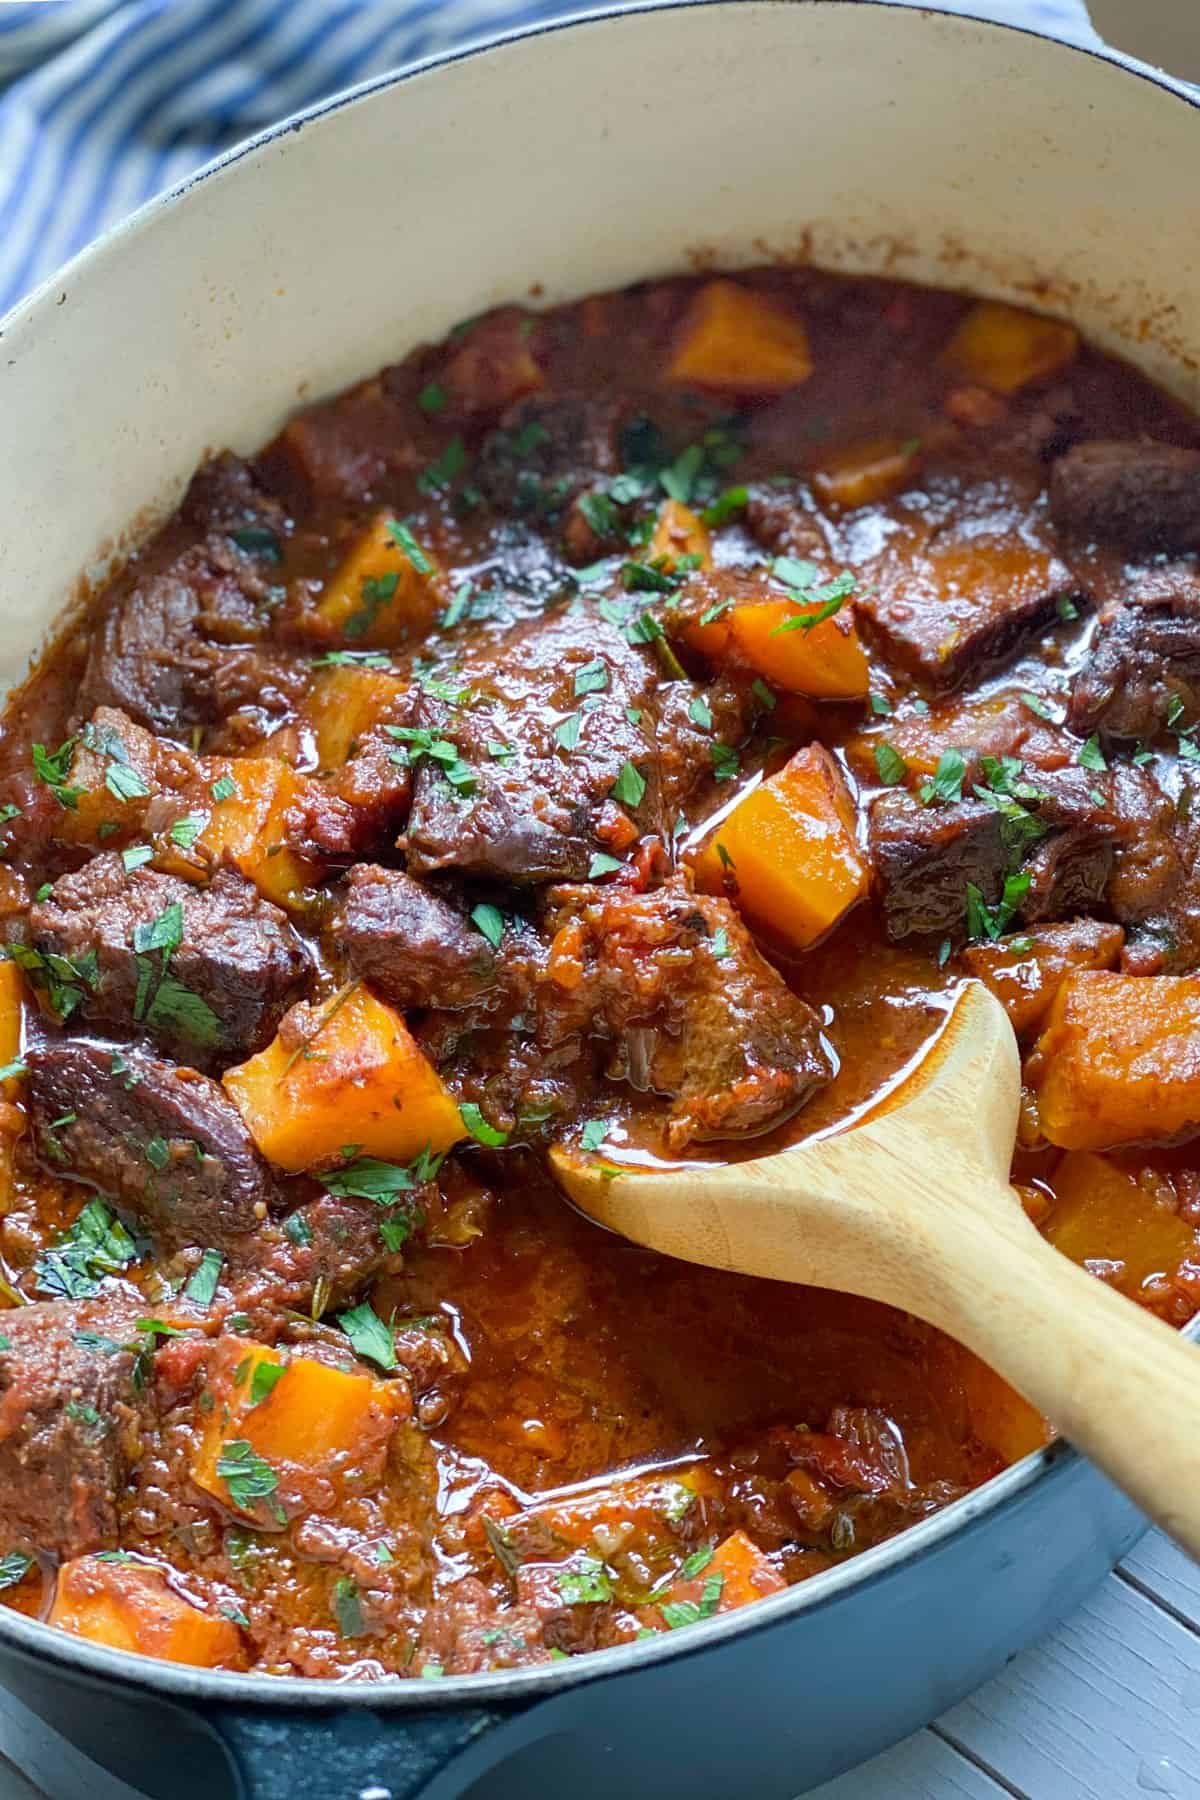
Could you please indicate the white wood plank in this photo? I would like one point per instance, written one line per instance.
(1106, 1709)
(923, 1767)
(1161, 1569)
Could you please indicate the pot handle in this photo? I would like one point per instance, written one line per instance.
(352, 1754)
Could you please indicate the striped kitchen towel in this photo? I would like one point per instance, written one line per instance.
(121, 98)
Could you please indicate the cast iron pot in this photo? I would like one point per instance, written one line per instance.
(864, 136)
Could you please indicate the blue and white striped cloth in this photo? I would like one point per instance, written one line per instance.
(110, 101)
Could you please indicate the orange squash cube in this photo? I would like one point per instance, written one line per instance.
(1119, 1210)
(736, 1573)
(1119, 1061)
(1004, 348)
(131, 1605)
(679, 532)
(865, 473)
(346, 1073)
(344, 704)
(294, 1415)
(826, 662)
(116, 768)
(386, 590)
(247, 828)
(1027, 971)
(12, 1016)
(738, 342)
(789, 852)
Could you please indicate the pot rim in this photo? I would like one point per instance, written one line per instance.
(44, 1643)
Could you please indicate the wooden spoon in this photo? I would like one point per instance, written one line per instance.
(914, 1207)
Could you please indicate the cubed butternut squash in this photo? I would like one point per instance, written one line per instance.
(1120, 1212)
(826, 661)
(344, 704)
(12, 1019)
(863, 474)
(386, 590)
(131, 1604)
(1004, 348)
(115, 769)
(346, 1073)
(243, 805)
(679, 532)
(738, 342)
(1119, 1061)
(273, 1417)
(788, 851)
(1025, 972)
(736, 1573)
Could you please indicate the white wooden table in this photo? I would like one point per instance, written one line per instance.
(1106, 1709)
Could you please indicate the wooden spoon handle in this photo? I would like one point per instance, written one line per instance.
(1119, 1384)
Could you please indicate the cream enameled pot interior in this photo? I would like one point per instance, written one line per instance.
(864, 136)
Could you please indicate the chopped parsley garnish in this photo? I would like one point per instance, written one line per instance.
(247, 1476)
(375, 592)
(890, 764)
(477, 1125)
(401, 534)
(158, 1152)
(202, 1283)
(725, 761)
(14, 1568)
(630, 786)
(733, 500)
(566, 732)
(265, 1379)
(438, 477)
(945, 786)
(653, 577)
(984, 922)
(432, 398)
(593, 1134)
(457, 608)
(678, 480)
(369, 1335)
(97, 1244)
(1036, 706)
(600, 512)
(700, 713)
(1091, 756)
(347, 1608)
(297, 1228)
(584, 1582)
(124, 782)
(420, 741)
(185, 831)
(880, 705)
(368, 1178)
(10, 1070)
(490, 920)
(602, 864)
(53, 768)
(136, 857)
(800, 580)
(225, 788)
(678, 1613)
(257, 540)
(763, 694)
(592, 678)
(719, 943)
(1066, 608)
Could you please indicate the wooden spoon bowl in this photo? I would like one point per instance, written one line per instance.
(914, 1207)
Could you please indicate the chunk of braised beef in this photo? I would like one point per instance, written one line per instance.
(412, 945)
(1154, 889)
(685, 1005)
(490, 363)
(183, 637)
(353, 810)
(551, 764)
(163, 1141)
(952, 616)
(207, 972)
(347, 451)
(1144, 664)
(924, 857)
(546, 450)
(71, 1423)
(1138, 496)
(1069, 867)
(329, 1249)
(693, 724)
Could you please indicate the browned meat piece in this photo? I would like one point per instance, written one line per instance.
(330, 1247)
(545, 451)
(1138, 496)
(1145, 659)
(675, 985)
(354, 810)
(491, 362)
(181, 641)
(163, 1141)
(528, 801)
(411, 945)
(924, 857)
(691, 720)
(234, 965)
(70, 1423)
(781, 521)
(1069, 869)
(963, 608)
(1155, 886)
(342, 451)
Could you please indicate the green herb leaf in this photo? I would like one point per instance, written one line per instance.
(890, 764)
(14, 1568)
(592, 678)
(225, 788)
(124, 782)
(680, 478)
(184, 832)
(202, 1283)
(602, 864)
(584, 1582)
(477, 1125)
(1091, 756)
(432, 398)
(369, 1335)
(593, 1134)
(725, 761)
(945, 789)
(733, 500)
(490, 920)
(629, 787)
(1036, 705)
(401, 534)
(136, 857)
(264, 1380)
(700, 713)
(439, 476)
(246, 1475)
(367, 1178)
(880, 705)
(566, 732)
